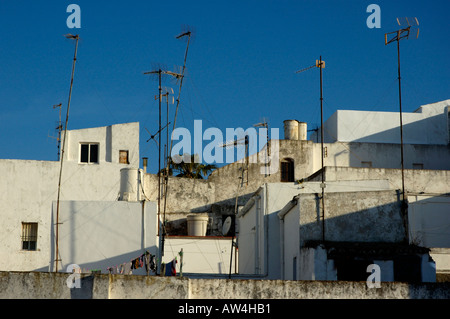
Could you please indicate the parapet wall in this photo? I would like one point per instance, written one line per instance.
(39, 285)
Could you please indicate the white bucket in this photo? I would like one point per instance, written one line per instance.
(197, 225)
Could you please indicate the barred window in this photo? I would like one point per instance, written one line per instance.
(29, 236)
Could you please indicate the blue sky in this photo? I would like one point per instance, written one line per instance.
(240, 67)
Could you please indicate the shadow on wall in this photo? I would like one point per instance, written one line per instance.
(102, 265)
(425, 131)
(217, 212)
(356, 239)
(377, 223)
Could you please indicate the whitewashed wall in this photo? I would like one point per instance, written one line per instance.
(201, 255)
(100, 234)
(28, 188)
(427, 125)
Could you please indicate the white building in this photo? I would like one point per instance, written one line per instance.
(259, 237)
(360, 229)
(97, 235)
(429, 125)
(105, 217)
(28, 189)
(359, 147)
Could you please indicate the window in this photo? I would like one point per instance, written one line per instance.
(123, 157)
(417, 166)
(88, 153)
(287, 170)
(366, 164)
(29, 236)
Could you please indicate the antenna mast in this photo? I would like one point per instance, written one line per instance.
(399, 35)
(244, 170)
(160, 72)
(321, 65)
(76, 38)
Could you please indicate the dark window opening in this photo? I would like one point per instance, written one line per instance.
(93, 154)
(287, 170)
(84, 153)
(89, 153)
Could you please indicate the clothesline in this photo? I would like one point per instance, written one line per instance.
(169, 269)
(146, 260)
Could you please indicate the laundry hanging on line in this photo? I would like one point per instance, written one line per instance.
(146, 260)
(171, 268)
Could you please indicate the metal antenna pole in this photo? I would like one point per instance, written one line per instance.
(59, 128)
(401, 122)
(243, 169)
(398, 35)
(188, 34)
(169, 150)
(321, 149)
(76, 38)
(159, 151)
(320, 64)
(161, 233)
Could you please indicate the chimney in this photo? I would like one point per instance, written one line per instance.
(302, 131)
(290, 129)
(144, 161)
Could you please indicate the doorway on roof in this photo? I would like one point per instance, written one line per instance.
(287, 170)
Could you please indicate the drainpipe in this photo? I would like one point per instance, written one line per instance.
(286, 209)
(282, 246)
(266, 231)
(257, 236)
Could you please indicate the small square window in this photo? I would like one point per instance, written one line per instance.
(29, 236)
(417, 166)
(123, 157)
(89, 152)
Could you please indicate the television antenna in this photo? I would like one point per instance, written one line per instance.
(321, 65)
(244, 170)
(159, 73)
(410, 26)
(179, 76)
(315, 129)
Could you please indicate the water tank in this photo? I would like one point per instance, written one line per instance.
(302, 131)
(290, 130)
(129, 184)
(197, 225)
